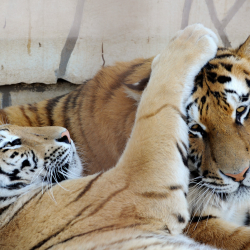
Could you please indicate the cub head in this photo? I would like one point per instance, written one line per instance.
(32, 157)
(219, 124)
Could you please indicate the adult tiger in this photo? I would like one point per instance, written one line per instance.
(100, 115)
(141, 202)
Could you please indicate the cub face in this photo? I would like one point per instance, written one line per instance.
(218, 119)
(34, 157)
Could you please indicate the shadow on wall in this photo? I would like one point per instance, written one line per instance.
(21, 93)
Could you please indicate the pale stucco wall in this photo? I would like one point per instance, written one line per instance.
(43, 40)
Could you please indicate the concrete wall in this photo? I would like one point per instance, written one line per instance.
(42, 41)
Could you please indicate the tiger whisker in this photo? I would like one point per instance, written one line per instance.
(203, 209)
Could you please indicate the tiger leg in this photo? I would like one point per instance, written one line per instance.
(219, 233)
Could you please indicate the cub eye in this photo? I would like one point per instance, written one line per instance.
(197, 128)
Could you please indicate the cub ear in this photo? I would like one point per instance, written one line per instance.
(244, 49)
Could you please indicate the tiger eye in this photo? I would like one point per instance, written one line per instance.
(195, 126)
(240, 109)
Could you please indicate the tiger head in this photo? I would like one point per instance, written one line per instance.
(219, 124)
(32, 157)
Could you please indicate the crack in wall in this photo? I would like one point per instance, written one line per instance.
(70, 41)
(103, 56)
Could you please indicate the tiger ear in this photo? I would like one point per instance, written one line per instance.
(244, 49)
(135, 90)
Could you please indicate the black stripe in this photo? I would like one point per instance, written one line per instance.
(222, 196)
(224, 55)
(198, 218)
(84, 137)
(17, 185)
(107, 200)
(12, 176)
(4, 129)
(185, 146)
(78, 92)
(21, 208)
(129, 72)
(216, 184)
(211, 76)
(210, 66)
(4, 208)
(227, 66)
(26, 116)
(60, 230)
(51, 104)
(105, 229)
(4, 198)
(34, 157)
(154, 195)
(87, 187)
(33, 108)
(65, 109)
(4, 118)
(177, 187)
(223, 79)
(199, 80)
(231, 91)
(184, 158)
(110, 92)
(161, 108)
(248, 82)
(247, 219)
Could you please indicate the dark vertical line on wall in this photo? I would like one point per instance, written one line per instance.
(185, 13)
(216, 22)
(231, 13)
(71, 40)
(6, 101)
(6, 98)
(103, 56)
(220, 26)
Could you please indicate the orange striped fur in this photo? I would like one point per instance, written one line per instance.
(100, 115)
(141, 202)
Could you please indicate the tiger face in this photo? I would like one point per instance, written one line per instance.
(218, 119)
(34, 157)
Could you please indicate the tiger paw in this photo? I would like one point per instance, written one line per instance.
(187, 53)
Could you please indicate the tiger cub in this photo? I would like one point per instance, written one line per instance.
(141, 202)
(32, 159)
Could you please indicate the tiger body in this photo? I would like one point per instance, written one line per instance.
(100, 115)
(141, 202)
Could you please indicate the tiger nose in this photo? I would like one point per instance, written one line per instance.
(240, 176)
(65, 136)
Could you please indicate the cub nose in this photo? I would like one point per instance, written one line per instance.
(65, 137)
(240, 176)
